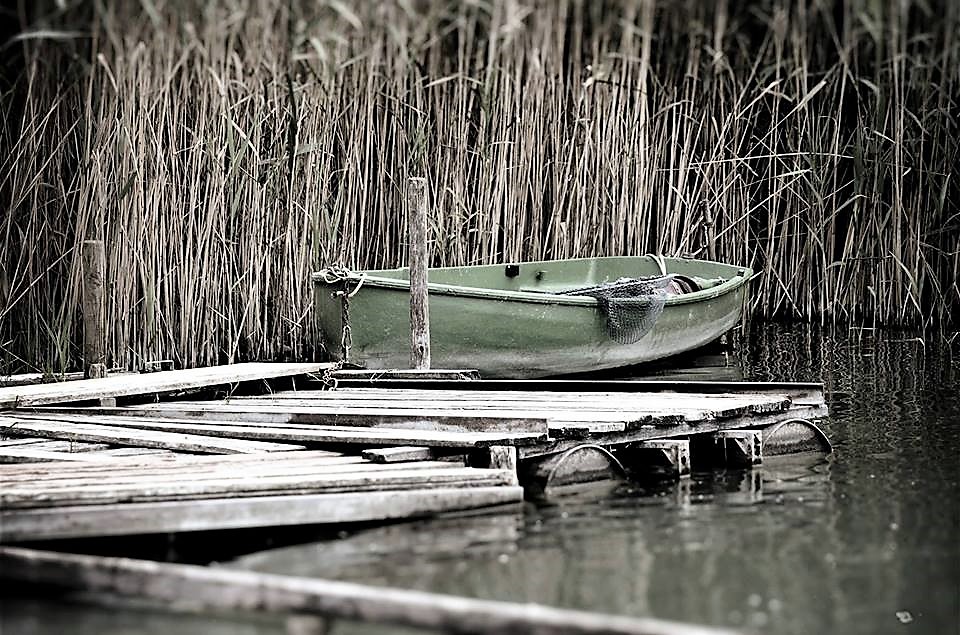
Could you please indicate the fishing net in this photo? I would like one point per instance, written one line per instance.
(631, 305)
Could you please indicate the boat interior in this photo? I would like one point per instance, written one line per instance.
(563, 276)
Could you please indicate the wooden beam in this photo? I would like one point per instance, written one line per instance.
(417, 226)
(663, 458)
(582, 406)
(29, 379)
(150, 383)
(401, 410)
(368, 478)
(115, 435)
(400, 454)
(406, 417)
(223, 589)
(94, 310)
(155, 472)
(82, 521)
(26, 454)
(799, 392)
(449, 415)
(174, 460)
(739, 448)
(503, 457)
(54, 445)
(373, 377)
(310, 433)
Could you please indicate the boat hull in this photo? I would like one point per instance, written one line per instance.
(523, 330)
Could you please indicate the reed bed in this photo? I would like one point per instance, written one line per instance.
(224, 150)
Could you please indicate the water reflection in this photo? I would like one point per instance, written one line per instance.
(803, 544)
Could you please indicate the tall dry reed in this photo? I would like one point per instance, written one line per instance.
(224, 150)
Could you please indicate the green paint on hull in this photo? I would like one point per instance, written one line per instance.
(516, 326)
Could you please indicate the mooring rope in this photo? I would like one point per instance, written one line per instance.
(661, 262)
(337, 274)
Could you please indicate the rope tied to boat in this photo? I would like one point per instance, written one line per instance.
(339, 274)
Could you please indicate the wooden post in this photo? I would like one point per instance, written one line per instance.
(94, 313)
(739, 448)
(504, 457)
(665, 458)
(419, 307)
(709, 233)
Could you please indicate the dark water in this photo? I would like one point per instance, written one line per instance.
(865, 541)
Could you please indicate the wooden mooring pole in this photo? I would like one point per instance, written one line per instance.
(419, 307)
(709, 233)
(94, 310)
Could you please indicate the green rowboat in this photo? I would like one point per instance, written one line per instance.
(521, 320)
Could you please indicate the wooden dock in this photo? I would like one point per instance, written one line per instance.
(143, 454)
(362, 451)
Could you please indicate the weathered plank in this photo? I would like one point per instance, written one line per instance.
(135, 451)
(400, 454)
(309, 433)
(38, 443)
(582, 430)
(150, 473)
(598, 406)
(411, 418)
(237, 513)
(230, 590)
(448, 417)
(375, 376)
(173, 462)
(28, 454)
(29, 379)
(487, 411)
(419, 262)
(370, 477)
(149, 478)
(139, 437)
(600, 399)
(6, 442)
(93, 257)
(799, 392)
(148, 384)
